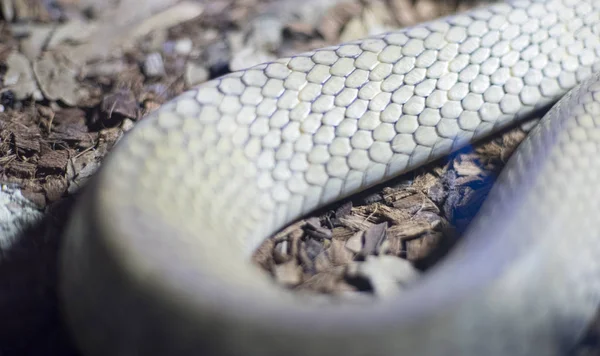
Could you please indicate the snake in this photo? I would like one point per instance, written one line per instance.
(156, 256)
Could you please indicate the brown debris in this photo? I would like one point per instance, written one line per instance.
(70, 125)
(54, 161)
(330, 282)
(289, 273)
(263, 255)
(21, 169)
(26, 140)
(423, 247)
(413, 203)
(121, 102)
(314, 229)
(339, 254)
(355, 242)
(323, 262)
(373, 237)
(335, 19)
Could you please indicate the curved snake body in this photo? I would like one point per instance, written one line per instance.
(155, 261)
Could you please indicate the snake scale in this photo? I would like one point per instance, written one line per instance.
(156, 257)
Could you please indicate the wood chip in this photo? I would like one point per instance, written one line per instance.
(314, 229)
(121, 102)
(373, 237)
(355, 243)
(419, 249)
(22, 169)
(343, 210)
(54, 160)
(415, 203)
(322, 262)
(263, 256)
(340, 254)
(27, 141)
(335, 18)
(289, 273)
(331, 281)
(281, 252)
(467, 167)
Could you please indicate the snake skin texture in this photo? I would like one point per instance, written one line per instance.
(155, 261)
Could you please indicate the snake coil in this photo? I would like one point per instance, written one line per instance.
(155, 261)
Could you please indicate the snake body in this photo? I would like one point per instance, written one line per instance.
(155, 261)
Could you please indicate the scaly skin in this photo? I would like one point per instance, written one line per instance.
(155, 261)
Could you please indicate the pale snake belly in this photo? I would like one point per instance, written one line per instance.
(156, 258)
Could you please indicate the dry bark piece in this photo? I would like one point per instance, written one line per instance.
(415, 203)
(281, 252)
(263, 255)
(305, 259)
(405, 12)
(339, 253)
(408, 229)
(379, 212)
(513, 139)
(297, 29)
(355, 243)
(314, 229)
(120, 102)
(392, 194)
(335, 18)
(322, 262)
(373, 237)
(27, 141)
(467, 167)
(289, 273)
(70, 125)
(313, 248)
(55, 161)
(331, 281)
(428, 179)
(465, 196)
(437, 193)
(296, 242)
(357, 222)
(343, 210)
(373, 19)
(22, 169)
(342, 233)
(421, 248)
